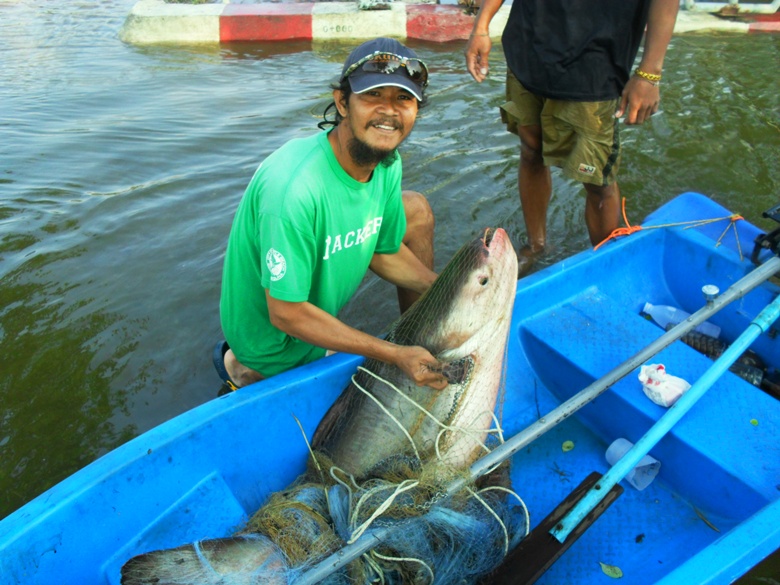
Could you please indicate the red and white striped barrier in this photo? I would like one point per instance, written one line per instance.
(155, 21)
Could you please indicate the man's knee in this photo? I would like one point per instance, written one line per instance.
(419, 215)
(601, 192)
(238, 372)
(531, 156)
(531, 144)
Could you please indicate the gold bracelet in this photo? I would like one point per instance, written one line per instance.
(651, 77)
(479, 35)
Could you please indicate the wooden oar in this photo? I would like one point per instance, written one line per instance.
(504, 451)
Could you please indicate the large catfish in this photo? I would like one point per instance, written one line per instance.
(382, 418)
(463, 320)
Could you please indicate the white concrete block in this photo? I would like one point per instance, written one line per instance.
(155, 21)
(343, 21)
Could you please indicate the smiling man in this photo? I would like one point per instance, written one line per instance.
(318, 213)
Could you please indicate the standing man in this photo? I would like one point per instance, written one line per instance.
(316, 215)
(569, 79)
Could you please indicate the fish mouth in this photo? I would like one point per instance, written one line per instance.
(487, 236)
(492, 237)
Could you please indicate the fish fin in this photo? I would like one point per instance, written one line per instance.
(333, 421)
(208, 562)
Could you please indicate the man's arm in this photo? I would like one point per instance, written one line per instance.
(308, 323)
(640, 97)
(479, 45)
(403, 269)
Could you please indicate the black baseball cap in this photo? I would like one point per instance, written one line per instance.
(413, 76)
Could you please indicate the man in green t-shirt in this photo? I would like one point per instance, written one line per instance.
(318, 213)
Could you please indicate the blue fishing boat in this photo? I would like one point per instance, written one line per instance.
(708, 510)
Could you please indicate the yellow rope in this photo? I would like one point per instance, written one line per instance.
(472, 433)
(308, 446)
(398, 489)
(387, 412)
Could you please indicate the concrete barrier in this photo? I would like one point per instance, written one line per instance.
(155, 21)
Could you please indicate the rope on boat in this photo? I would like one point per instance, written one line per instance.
(527, 516)
(308, 446)
(475, 495)
(470, 431)
(398, 489)
(629, 229)
(387, 412)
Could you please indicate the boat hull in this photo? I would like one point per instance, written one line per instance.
(712, 512)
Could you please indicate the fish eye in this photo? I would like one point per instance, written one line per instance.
(483, 280)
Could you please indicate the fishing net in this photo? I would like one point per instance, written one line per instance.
(436, 539)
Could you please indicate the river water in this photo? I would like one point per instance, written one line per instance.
(121, 168)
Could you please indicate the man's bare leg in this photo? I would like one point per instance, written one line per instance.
(602, 210)
(418, 238)
(535, 186)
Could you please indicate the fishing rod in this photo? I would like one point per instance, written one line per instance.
(375, 537)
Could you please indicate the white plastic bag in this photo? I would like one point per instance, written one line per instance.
(660, 387)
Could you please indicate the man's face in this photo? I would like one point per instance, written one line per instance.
(378, 121)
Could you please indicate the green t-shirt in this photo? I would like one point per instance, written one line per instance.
(306, 231)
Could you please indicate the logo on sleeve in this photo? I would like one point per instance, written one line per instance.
(276, 263)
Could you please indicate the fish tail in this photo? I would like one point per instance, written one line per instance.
(240, 559)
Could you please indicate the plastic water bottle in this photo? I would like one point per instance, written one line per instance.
(645, 471)
(665, 315)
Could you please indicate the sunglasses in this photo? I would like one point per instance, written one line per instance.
(389, 63)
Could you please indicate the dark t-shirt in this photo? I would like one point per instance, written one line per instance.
(575, 50)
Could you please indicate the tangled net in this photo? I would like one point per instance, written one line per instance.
(438, 538)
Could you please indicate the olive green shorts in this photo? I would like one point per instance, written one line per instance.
(580, 137)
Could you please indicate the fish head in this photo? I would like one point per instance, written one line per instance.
(468, 304)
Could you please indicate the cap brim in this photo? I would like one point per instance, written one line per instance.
(367, 81)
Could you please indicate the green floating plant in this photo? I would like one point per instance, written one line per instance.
(611, 570)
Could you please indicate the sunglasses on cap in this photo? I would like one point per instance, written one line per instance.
(389, 63)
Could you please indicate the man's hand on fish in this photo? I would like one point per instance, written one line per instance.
(421, 367)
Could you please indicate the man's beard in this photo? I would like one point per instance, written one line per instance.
(366, 155)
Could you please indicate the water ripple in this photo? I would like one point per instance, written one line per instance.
(121, 168)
